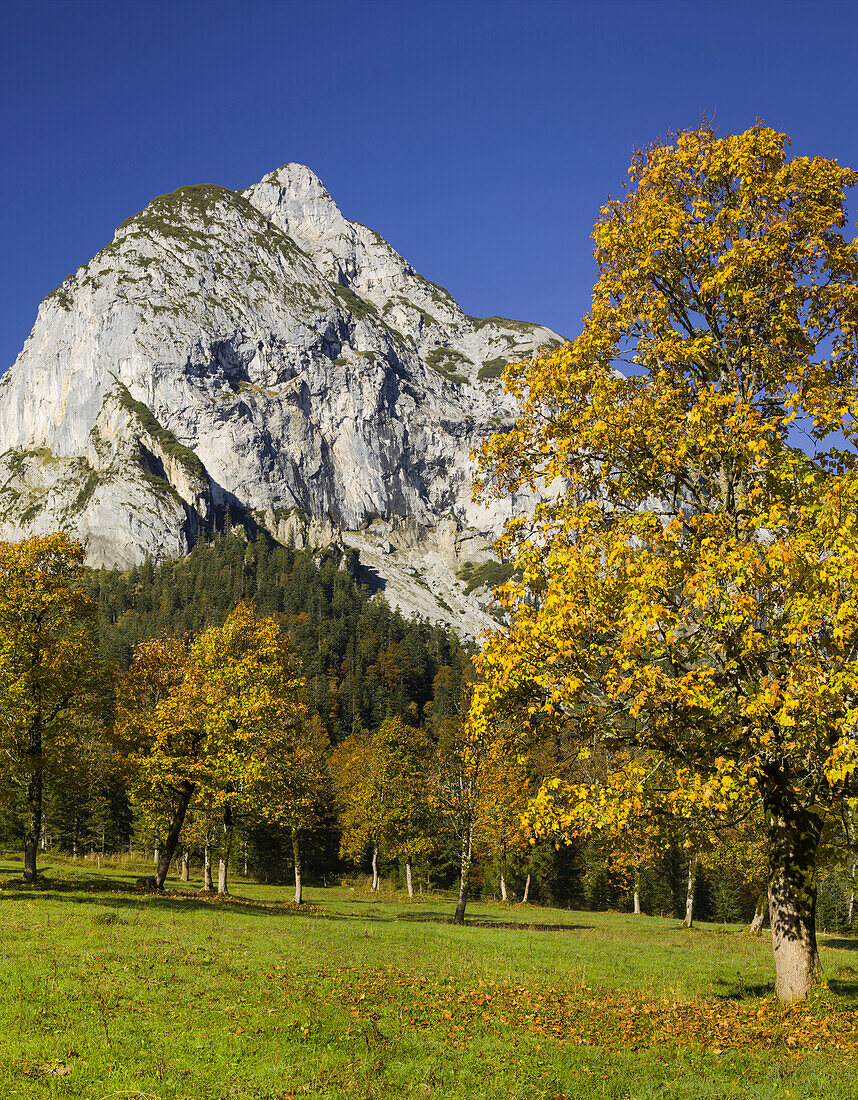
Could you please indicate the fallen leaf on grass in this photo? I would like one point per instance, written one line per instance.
(57, 1070)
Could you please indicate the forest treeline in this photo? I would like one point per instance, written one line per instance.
(319, 733)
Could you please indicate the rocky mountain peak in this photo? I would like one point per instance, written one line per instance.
(258, 352)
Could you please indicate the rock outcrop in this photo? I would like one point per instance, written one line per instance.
(258, 352)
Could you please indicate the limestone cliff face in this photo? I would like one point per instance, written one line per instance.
(259, 352)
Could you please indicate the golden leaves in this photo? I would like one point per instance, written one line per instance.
(691, 592)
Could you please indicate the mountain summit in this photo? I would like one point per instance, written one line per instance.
(258, 352)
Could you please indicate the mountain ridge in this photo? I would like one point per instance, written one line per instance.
(257, 351)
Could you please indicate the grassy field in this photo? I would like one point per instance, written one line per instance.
(107, 992)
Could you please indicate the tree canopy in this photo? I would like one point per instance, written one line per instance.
(47, 668)
(689, 586)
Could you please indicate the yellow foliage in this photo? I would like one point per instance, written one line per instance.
(690, 591)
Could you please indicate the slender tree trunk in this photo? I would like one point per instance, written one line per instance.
(296, 852)
(166, 857)
(526, 893)
(793, 836)
(35, 790)
(156, 854)
(689, 893)
(503, 876)
(637, 891)
(375, 866)
(226, 847)
(849, 821)
(186, 865)
(208, 885)
(408, 883)
(465, 877)
(760, 914)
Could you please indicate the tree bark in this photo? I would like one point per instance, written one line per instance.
(296, 852)
(208, 885)
(408, 882)
(526, 893)
(186, 793)
(225, 848)
(503, 876)
(186, 865)
(849, 822)
(637, 891)
(689, 893)
(756, 926)
(375, 866)
(793, 836)
(464, 878)
(35, 791)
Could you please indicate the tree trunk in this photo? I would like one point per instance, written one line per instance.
(375, 866)
(637, 891)
(503, 876)
(225, 848)
(186, 865)
(408, 883)
(34, 801)
(464, 878)
(208, 885)
(689, 893)
(853, 860)
(793, 836)
(185, 795)
(760, 914)
(526, 893)
(296, 852)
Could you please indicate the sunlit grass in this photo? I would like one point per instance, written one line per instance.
(109, 992)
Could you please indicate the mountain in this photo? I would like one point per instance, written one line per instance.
(259, 353)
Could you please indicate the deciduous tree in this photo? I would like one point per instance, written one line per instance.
(691, 588)
(47, 666)
(201, 717)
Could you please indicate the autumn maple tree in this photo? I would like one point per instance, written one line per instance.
(385, 800)
(689, 584)
(202, 717)
(47, 666)
(293, 788)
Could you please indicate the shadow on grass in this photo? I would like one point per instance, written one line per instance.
(127, 895)
(491, 922)
(839, 944)
(738, 990)
(847, 990)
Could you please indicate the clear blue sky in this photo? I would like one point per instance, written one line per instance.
(479, 138)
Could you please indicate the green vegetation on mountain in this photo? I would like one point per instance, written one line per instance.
(164, 437)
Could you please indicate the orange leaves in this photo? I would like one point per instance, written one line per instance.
(210, 712)
(600, 1018)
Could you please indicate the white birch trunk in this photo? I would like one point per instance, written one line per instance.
(689, 893)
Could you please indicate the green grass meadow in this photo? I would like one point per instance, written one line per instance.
(109, 992)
